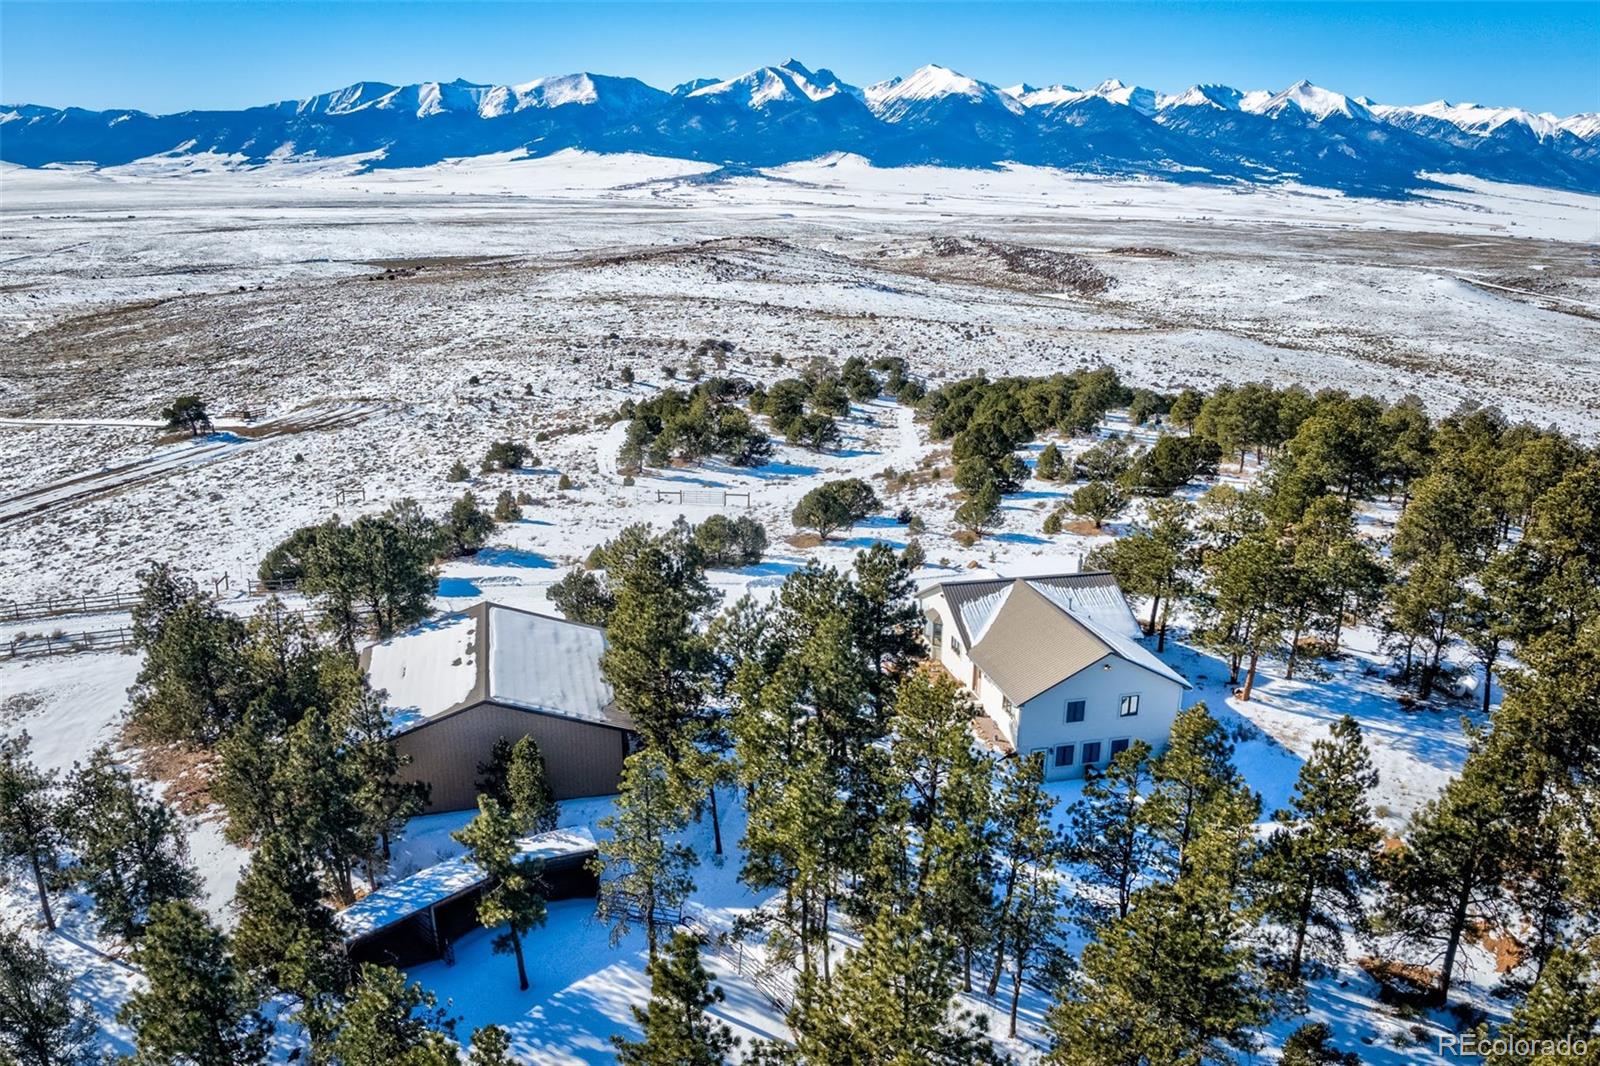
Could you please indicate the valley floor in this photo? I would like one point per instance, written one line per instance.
(361, 333)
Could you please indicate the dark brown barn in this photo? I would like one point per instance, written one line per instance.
(459, 683)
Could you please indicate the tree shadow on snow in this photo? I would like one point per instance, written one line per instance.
(513, 557)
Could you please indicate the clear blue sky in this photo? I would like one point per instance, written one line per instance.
(176, 55)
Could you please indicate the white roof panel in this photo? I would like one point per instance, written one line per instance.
(546, 664)
(398, 901)
(427, 670)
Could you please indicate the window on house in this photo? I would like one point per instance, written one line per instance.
(1064, 753)
(1091, 753)
(1006, 706)
(935, 633)
(1118, 747)
(955, 645)
(1130, 705)
(1075, 709)
(977, 680)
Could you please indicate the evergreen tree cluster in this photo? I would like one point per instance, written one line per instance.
(688, 427)
(301, 745)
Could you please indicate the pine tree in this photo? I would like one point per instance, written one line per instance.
(187, 412)
(834, 505)
(371, 765)
(1153, 560)
(887, 622)
(287, 939)
(1308, 1046)
(1318, 864)
(948, 785)
(387, 1022)
(580, 597)
(468, 525)
(890, 1001)
(492, 773)
(43, 1022)
(1031, 926)
(131, 855)
(677, 1031)
(30, 819)
(1173, 982)
(1194, 773)
(1048, 465)
(980, 511)
(655, 656)
(196, 1009)
(1098, 501)
(644, 873)
(1489, 617)
(516, 897)
(1326, 563)
(187, 688)
(1438, 544)
(811, 759)
(531, 803)
(1451, 870)
(1109, 830)
(1246, 585)
(1023, 837)
(491, 1046)
(316, 774)
(1562, 1008)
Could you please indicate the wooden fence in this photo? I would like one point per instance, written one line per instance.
(60, 606)
(39, 645)
(703, 497)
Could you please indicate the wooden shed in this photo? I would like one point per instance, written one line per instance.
(457, 684)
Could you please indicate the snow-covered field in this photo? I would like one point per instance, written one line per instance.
(363, 332)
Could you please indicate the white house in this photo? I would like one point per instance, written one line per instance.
(1055, 662)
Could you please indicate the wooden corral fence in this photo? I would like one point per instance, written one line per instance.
(59, 606)
(703, 497)
(775, 983)
(39, 645)
(88, 603)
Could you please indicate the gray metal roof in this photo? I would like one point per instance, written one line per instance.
(495, 653)
(1030, 633)
(976, 598)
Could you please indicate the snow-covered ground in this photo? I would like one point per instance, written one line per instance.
(412, 317)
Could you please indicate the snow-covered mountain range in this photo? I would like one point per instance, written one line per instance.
(785, 113)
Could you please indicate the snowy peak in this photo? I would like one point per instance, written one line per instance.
(896, 98)
(1221, 97)
(1476, 119)
(486, 101)
(344, 101)
(1585, 126)
(789, 82)
(1111, 90)
(1308, 99)
(1140, 99)
(684, 88)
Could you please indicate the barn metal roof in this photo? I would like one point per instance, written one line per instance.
(494, 653)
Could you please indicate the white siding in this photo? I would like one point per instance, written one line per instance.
(1043, 723)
